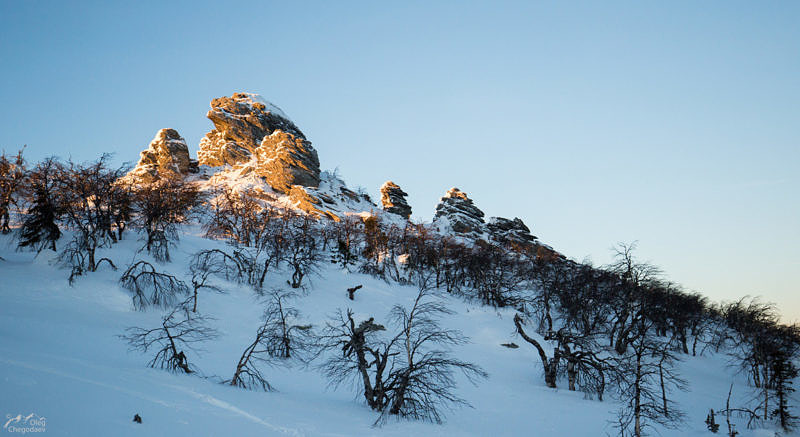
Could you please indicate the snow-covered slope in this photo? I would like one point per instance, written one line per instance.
(61, 359)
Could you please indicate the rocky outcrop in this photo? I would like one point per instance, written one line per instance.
(332, 199)
(248, 129)
(456, 212)
(507, 231)
(167, 156)
(393, 200)
(284, 159)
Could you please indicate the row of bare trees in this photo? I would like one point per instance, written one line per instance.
(91, 200)
(620, 327)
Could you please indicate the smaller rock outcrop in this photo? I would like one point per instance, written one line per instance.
(456, 212)
(508, 231)
(167, 156)
(393, 200)
(284, 159)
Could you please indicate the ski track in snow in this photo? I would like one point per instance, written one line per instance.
(63, 374)
(211, 400)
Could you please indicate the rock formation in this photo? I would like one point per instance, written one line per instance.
(393, 200)
(457, 213)
(167, 156)
(250, 129)
(285, 160)
(508, 231)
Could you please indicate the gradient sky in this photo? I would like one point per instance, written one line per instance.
(676, 124)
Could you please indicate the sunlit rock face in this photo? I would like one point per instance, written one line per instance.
(284, 159)
(456, 213)
(393, 200)
(508, 231)
(248, 128)
(167, 156)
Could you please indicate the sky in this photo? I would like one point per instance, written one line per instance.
(672, 124)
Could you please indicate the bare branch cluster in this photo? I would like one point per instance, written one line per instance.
(180, 329)
(150, 287)
(411, 374)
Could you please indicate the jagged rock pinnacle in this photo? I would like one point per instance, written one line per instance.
(457, 213)
(393, 200)
(167, 156)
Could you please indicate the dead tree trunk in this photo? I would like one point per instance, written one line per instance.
(550, 365)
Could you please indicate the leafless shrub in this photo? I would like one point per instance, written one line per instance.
(160, 207)
(150, 287)
(279, 337)
(411, 374)
(180, 329)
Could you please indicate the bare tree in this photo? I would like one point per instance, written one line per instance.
(423, 380)
(358, 355)
(569, 316)
(549, 364)
(150, 287)
(303, 252)
(241, 216)
(247, 374)
(12, 175)
(495, 275)
(632, 279)
(742, 412)
(210, 263)
(285, 336)
(279, 337)
(645, 378)
(411, 374)
(180, 329)
(91, 203)
(347, 236)
(261, 233)
(161, 206)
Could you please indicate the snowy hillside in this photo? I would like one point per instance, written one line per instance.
(61, 359)
(159, 304)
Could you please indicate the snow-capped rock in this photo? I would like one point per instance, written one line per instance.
(167, 155)
(507, 231)
(393, 200)
(246, 127)
(330, 199)
(457, 214)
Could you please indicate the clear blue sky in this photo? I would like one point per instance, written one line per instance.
(676, 124)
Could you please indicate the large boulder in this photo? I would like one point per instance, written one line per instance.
(248, 129)
(166, 156)
(457, 214)
(393, 200)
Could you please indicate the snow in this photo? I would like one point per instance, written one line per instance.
(61, 358)
(270, 107)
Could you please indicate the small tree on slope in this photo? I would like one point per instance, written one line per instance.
(411, 374)
(40, 229)
(160, 208)
(180, 329)
(278, 338)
